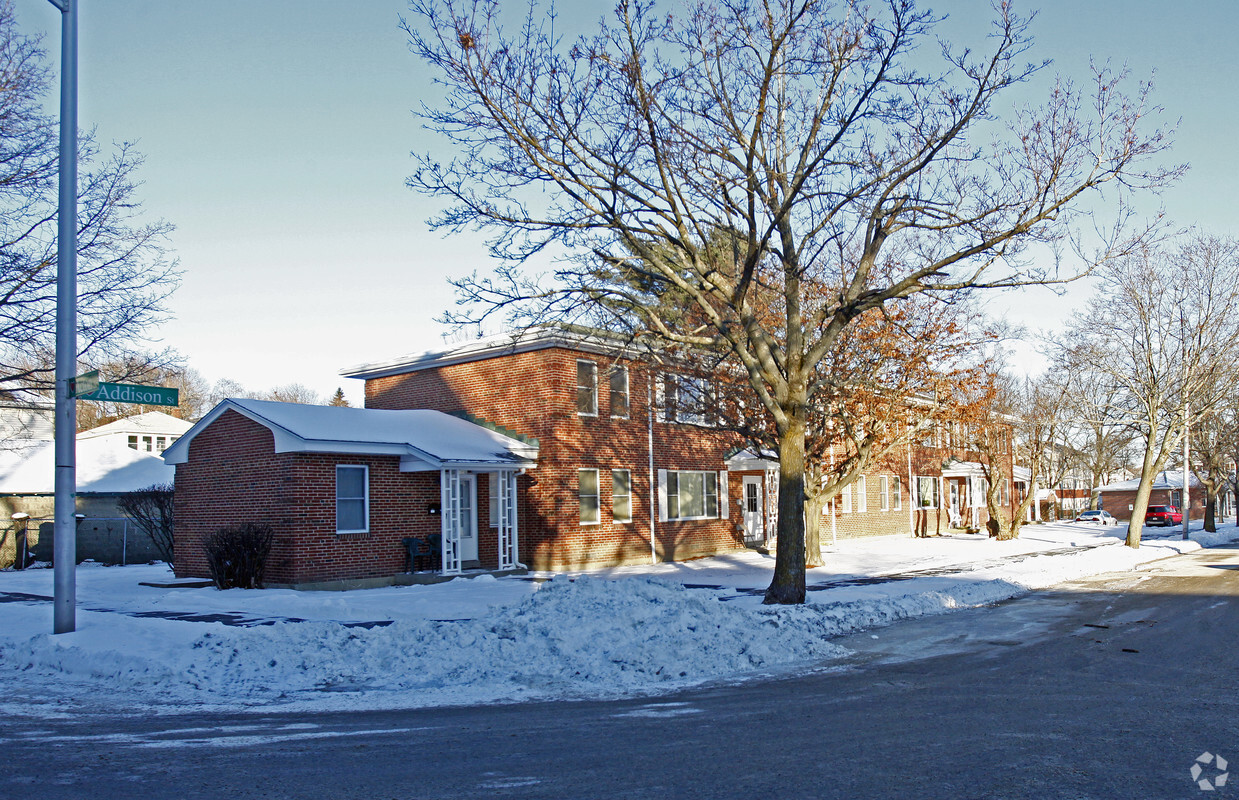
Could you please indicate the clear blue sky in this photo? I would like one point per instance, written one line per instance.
(277, 137)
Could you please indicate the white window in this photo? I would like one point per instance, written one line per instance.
(884, 493)
(845, 499)
(692, 495)
(619, 392)
(1004, 493)
(160, 444)
(587, 388)
(927, 493)
(352, 498)
(133, 443)
(492, 499)
(898, 495)
(862, 499)
(621, 495)
(587, 481)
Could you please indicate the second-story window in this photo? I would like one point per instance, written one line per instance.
(619, 392)
(587, 388)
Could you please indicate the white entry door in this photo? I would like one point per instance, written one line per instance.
(754, 531)
(468, 518)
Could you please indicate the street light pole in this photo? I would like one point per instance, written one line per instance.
(65, 505)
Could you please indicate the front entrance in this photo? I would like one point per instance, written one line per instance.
(754, 530)
(468, 518)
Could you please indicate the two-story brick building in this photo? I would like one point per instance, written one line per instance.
(593, 460)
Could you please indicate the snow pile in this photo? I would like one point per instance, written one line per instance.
(579, 638)
(630, 631)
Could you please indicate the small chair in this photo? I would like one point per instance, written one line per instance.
(417, 547)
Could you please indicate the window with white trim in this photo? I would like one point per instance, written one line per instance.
(862, 495)
(884, 493)
(492, 499)
(897, 494)
(621, 495)
(587, 492)
(928, 493)
(692, 495)
(587, 388)
(845, 499)
(618, 381)
(352, 498)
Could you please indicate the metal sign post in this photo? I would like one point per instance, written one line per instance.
(64, 552)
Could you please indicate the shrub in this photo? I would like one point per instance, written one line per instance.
(151, 510)
(237, 555)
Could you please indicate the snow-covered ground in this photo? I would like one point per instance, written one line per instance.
(627, 631)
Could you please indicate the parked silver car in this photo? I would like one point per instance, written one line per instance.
(1103, 518)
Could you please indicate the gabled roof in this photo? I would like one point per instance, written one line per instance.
(424, 439)
(103, 465)
(152, 422)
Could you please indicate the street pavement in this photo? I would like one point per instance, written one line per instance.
(1109, 687)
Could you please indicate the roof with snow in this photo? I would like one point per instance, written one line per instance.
(104, 465)
(423, 439)
(1162, 480)
(523, 341)
(152, 422)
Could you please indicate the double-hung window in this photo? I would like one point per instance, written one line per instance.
(884, 493)
(692, 495)
(587, 492)
(619, 392)
(845, 499)
(587, 388)
(621, 495)
(352, 498)
(896, 495)
(927, 492)
(862, 495)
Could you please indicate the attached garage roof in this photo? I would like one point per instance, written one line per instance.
(424, 439)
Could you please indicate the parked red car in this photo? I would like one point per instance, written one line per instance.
(1163, 515)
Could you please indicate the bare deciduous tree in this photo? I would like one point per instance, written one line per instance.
(151, 510)
(849, 172)
(124, 271)
(1162, 343)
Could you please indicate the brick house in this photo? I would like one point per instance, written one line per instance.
(623, 471)
(1119, 498)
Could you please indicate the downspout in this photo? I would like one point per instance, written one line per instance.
(649, 418)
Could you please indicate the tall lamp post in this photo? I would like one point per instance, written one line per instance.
(65, 548)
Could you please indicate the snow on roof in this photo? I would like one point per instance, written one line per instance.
(424, 439)
(103, 465)
(155, 422)
(523, 341)
(1163, 480)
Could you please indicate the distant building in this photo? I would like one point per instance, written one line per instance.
(151, 432)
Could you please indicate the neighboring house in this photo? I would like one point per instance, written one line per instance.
(1119, 498)
(26, 417)
(594, 461)
(106, 471)
(152, 432)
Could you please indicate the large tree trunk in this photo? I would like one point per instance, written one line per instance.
(788, 584)
(1211, 493)
(813, 527)
(1147, 470)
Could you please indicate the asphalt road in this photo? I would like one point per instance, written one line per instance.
(1105, 688)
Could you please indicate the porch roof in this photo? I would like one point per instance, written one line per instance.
(423, 439)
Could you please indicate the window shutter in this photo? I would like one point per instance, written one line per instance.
(724, 508)
(662, 495)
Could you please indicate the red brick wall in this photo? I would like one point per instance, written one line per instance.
(234, 475)
(1118, 502)
(534, 394)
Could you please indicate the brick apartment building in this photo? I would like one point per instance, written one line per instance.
(592, 462)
